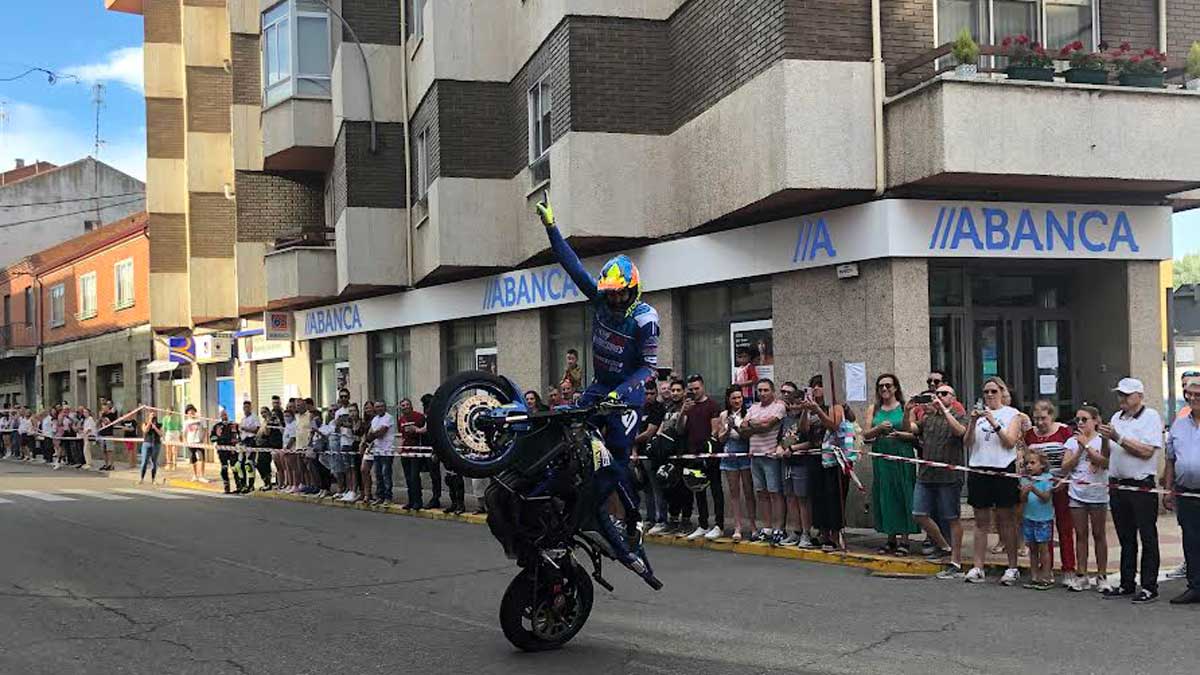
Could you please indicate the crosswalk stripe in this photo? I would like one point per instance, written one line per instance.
(96, 494)
(149, 493)
(43, 496)
(5, 501)
(201, 493)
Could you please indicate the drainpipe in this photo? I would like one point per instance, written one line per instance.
(878, 94)
(1162, 25)
(411, 236)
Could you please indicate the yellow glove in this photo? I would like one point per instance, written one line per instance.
(612, 396)
(544, 210)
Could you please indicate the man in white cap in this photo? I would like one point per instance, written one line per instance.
(1136, 433)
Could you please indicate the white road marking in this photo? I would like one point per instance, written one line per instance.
(97, 494)
(201, 493)
(43, 496)
(5, 501)
(149, 493)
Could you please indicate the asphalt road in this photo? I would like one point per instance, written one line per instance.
(138, 583)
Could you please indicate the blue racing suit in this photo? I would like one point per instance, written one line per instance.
(624, 356)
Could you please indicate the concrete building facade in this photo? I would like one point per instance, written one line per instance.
(42, 204)
(791, 176)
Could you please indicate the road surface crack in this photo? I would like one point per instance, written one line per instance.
(361, 554)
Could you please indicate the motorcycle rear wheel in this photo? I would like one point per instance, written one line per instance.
(463, 447)
(537, 620)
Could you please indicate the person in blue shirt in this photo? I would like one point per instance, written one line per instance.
(625, 337)
(1039, 520)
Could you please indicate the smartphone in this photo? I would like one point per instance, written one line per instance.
(979, 405)
(923, 398)
(664, 374)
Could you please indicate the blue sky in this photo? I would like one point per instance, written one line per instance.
(56, 122)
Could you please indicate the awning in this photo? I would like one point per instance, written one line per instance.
(161, 366)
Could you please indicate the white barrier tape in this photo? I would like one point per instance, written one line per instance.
(300, 451)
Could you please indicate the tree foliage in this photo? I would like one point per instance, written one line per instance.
(1186, 270)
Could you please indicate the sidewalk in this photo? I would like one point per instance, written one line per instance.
(861, 543)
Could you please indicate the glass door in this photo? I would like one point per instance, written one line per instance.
(1046, 345)
(992, 351)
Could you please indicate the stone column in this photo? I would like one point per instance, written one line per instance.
(521, 347)
(670, 321)
(425, 347)
(1145, 293)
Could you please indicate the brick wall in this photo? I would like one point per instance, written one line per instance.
(828, 30)
(1183, 26)
(478, 147)
(907, 27)
(374, 21)
(552, 60)
(718, 46)
(211, 226)
(161, 21)
(209, 92)
(272, 205)
(359, 178)
(168, 242)
(164, 128)
(1132, 21)
(247, 70)
(107, 317)
(620, 75)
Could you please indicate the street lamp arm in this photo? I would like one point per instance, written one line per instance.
(366, 70)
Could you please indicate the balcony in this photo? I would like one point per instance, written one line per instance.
(301, 270)
(128, 6)
(298, 135)
(18, 340)
(992, 135)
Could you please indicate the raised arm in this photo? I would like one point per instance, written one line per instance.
(563, 252)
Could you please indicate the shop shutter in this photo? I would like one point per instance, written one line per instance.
(270, 382)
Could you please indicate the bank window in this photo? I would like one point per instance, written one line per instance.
(708, 312)
(539, 118)
(123, 284)
(945, 287)
(331, 368)
(87, 296)
(468, 342)
(567, 327)
(1061, 22)
(295, 51)
(58, 305)
(390, 365)
(424, 179)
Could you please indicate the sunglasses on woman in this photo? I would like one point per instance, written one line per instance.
(887, 385)
(1080, 421)
(991, 391)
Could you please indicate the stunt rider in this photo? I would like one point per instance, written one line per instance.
(624, 355)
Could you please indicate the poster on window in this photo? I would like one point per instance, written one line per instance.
(485, 359)
(751, 353)
(343, 376)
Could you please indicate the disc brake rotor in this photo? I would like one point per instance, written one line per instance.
(465, 413)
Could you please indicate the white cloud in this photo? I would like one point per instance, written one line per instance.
(32, 132)
(123, 66)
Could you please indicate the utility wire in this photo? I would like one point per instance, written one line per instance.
(51, 76)
(71, 199)
(60, 215)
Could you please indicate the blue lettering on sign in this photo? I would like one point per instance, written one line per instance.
(813, 238)
(527, 288)
(338, 319)
(1096, 231)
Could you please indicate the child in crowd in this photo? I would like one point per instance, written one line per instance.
(1038, 525)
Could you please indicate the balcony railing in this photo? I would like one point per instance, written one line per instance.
(939, 61)
(309, 236)
(18, 336)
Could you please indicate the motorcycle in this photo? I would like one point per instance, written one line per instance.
(540, 502)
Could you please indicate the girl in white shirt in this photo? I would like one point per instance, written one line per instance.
(1086, 461)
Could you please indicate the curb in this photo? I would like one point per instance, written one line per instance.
(873, 563)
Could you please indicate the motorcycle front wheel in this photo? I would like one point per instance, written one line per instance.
(548, 616)
(464, 444)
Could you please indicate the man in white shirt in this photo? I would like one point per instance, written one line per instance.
(1183, 475)
(248, 429)
(383, 438)
(1136, 435)
(25, 430)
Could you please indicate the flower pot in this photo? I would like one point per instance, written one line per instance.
(1193, 84)
(1087, 76)
(966, 70)
(1035, 73)
(1137, 80)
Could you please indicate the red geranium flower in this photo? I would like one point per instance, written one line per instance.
(1022, 39)
(1125, 46)
(1077, 45)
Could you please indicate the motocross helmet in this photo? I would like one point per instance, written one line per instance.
(620, 285)
(695, 480)
(668, 476)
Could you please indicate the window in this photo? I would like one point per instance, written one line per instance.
(463, 337)
(1059, 21)
(424, 179)
(7, 309)
(331, 368)
(390, 365)
(539, 118)
(89, 225)
(568, 328)
(295, 51)
(58, 305)
(29, 306)
(416, 19)
(707, 313)
(123, 280)
(87, 296)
